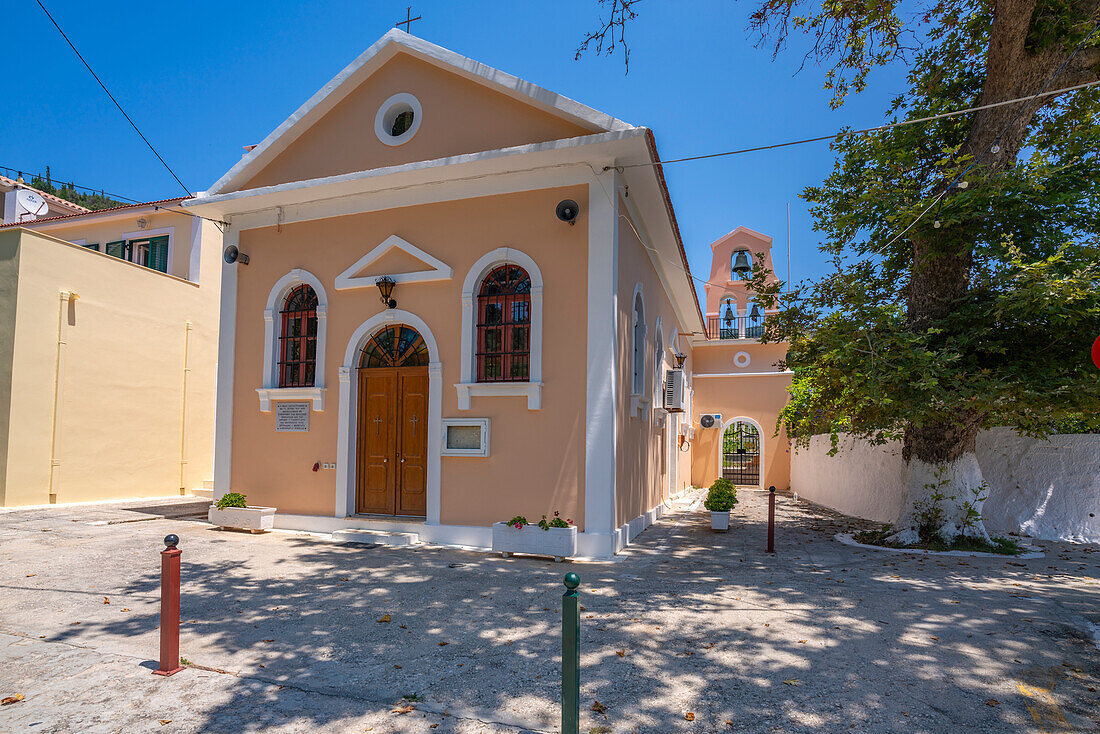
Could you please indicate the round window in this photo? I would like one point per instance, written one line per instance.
(398, 119)
(742, 359)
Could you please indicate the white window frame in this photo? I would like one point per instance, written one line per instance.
(658, 371)
(270, 391)
(482, 423)
(638, 399)
(469, 387)
(380, 127)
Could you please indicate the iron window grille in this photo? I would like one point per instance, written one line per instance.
(504, 326)
(298, 339)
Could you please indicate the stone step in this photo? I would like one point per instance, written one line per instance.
(384, 537)
(204, 493)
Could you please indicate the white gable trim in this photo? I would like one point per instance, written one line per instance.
(370, 60)
(439, 269)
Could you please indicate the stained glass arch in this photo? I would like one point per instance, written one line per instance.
(395, 346)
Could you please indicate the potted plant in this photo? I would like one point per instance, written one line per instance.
(721, 497)
(554, 537)
(233, 511)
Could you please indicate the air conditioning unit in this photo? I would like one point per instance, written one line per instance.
(675, 391)
(711, 420)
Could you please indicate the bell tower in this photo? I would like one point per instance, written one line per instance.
(732, 259)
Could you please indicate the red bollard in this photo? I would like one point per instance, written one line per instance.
(771, 519)
(169, 608)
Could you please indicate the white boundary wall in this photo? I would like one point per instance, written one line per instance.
(1048, 489)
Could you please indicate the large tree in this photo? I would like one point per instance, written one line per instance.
(965, 291)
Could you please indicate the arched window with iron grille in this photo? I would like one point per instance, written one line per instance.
(504, 326)
(298, 338)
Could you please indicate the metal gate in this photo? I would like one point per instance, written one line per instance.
(741, 454)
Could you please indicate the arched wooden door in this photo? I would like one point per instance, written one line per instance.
(392, 438)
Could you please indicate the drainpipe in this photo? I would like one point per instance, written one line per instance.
(183, 410)
(58, 395)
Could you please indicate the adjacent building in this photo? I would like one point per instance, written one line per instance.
(108, 347)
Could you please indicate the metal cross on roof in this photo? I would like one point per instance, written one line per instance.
(408, 20)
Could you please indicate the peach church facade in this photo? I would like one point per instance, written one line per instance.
(459, 297)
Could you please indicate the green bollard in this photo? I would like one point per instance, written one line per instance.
(570, 656)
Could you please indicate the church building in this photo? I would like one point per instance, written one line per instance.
(451, 297)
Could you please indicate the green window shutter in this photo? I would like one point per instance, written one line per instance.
(116, 249)
(158, 254)
(93, 246)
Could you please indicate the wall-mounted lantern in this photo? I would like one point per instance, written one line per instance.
(385, 287)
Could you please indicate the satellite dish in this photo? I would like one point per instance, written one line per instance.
(31, 203)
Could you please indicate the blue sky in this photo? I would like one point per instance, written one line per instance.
(204, 78)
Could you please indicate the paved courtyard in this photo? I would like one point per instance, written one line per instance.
(686, 631)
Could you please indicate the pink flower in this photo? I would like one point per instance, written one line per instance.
(556, 513)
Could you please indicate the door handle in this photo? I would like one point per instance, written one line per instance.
(402, 461)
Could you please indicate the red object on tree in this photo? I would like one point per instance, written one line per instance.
(1096, 352)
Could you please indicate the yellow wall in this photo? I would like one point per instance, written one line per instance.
(120, 429)
(9, 290)
(536, 464)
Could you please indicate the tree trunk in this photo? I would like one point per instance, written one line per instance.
(945, 489)
(945, 485)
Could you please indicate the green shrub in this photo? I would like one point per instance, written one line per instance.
(231, 499)
(721, 497)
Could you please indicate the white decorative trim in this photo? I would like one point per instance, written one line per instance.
(602, 375)
(531, 390)
(469, 386)
(760, 432)
(638, 401)
(227, 337)
(784, 373)
(439, 269)
(270, 394)
(658, 365)
(383, 121)
(346, 418)
(194, 260)
(381, 51)
(482, 423)
(742, 359)
(271, 390)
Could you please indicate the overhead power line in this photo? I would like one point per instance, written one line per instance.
(849, 133)
(104, 86)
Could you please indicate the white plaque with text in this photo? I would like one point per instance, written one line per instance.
(292, 417)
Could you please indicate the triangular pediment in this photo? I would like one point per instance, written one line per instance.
(395, 258)
(466, 106)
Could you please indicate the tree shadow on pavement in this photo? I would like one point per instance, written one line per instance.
(686, 621)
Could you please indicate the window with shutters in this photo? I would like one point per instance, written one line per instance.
(151, 252)
(298, 338)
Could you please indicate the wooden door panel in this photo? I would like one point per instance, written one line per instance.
(376, 480)
(412, 436)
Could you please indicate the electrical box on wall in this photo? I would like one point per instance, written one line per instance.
(675, 400)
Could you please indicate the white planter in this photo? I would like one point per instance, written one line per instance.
(255, 519)
(720, 520)
(557, 542)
